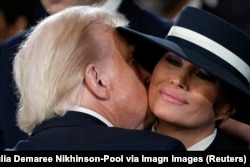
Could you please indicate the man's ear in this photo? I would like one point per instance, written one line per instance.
(96, 82)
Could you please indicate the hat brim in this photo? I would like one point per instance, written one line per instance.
(150, 49)
(224, 74)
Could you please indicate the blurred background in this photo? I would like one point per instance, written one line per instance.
(236, 12)
(16, 15)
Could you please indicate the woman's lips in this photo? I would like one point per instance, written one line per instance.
(173, 98)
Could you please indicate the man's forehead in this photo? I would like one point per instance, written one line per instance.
(101, 33)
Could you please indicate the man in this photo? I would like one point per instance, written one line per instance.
(80, 88)
(139, 19)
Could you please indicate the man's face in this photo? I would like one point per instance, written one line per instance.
(54, 6)
(126, 95)
(130, 93)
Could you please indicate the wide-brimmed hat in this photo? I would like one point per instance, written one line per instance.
(202, 39)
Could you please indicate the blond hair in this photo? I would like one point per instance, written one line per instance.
(48, 68)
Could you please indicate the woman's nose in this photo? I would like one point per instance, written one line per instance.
(180, 81)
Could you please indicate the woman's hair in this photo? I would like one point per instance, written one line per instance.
(239, 100)
(232, 96)
(49, 66)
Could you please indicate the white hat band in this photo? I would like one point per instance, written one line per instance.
(213, 47)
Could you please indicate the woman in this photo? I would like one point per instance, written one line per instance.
(188, 102)
(201, 79)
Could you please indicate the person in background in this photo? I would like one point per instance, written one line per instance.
(234, 11)
(74, 97)
(139, 18)
(16, 15)
(201, 79)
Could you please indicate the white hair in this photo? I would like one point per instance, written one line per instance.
(48, 68)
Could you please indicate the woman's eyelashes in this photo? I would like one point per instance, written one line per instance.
(200, 73)
(173, 60)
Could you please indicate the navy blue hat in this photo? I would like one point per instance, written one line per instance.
(202, 39)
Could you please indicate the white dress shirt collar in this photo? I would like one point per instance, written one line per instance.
(201, 145)
(92, 113)
(204, 143)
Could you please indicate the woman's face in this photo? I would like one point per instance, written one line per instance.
(183, 94)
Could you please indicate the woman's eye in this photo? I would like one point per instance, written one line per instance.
(206, 76)
(173, 61)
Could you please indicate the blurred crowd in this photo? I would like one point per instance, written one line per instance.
(16, 15)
